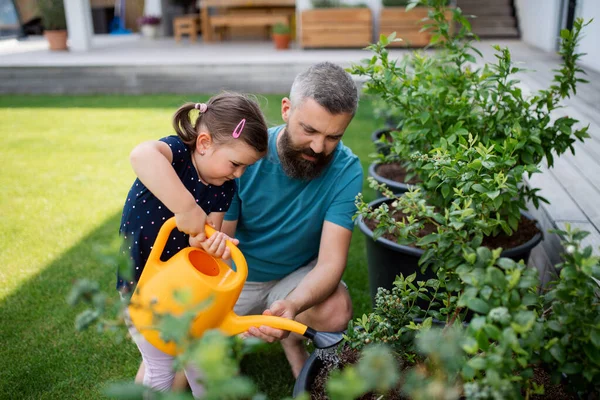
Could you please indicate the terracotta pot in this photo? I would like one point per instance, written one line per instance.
(282, 41)
(57, 40)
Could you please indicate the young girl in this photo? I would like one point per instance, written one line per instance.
(189, 176)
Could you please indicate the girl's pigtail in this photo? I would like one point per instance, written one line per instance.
(182, 123)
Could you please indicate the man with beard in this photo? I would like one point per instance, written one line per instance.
(293, 212)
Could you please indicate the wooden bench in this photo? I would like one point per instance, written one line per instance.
(186, 25)
(243, 13)
(246, 20)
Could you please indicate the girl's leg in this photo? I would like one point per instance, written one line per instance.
(158, 366)
(192, 376)
(139, 377)
(180, 382)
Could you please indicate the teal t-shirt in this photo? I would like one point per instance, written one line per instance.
(280, 219)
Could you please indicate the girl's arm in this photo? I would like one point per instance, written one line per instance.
(151, 162)
(215, 245)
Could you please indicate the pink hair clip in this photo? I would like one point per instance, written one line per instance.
(201, 107)
(238, 129)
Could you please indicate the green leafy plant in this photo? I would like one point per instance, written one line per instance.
(572, 310)
(52, 13)
(326, 3)
(447, 107)
(281, 29)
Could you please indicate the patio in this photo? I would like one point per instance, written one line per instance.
(130, 64)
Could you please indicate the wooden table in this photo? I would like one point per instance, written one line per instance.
(244, 13)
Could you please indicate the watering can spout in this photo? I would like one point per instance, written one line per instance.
(234, 324)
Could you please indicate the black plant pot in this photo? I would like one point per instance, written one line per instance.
(307, 375)
(314, 364)
(387, 259)
(381, 147)
(396, 187)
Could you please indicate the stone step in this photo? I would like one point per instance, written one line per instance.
(483, 3)
(476, 10)
(497, 32)
(484, 22)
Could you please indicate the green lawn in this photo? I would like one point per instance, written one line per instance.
(64, 176)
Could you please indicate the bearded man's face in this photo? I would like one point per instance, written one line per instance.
(309, 139)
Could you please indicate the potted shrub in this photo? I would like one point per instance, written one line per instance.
(512, 348)
(52, 13)
(149, 25)
(406, 22)
(281, 36)
(333, 24)
(470, 133)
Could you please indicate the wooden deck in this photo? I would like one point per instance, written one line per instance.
(573, 185)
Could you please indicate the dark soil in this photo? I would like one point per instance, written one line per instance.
(527, 230)
(551, 391)
(398, 215)
(395, 172)
(349, 356)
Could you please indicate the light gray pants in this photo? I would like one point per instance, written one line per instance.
(159, 372)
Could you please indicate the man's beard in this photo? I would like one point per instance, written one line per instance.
(297, 167)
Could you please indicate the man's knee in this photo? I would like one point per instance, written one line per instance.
(336, 310)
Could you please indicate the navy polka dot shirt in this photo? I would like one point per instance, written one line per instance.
(144, 214)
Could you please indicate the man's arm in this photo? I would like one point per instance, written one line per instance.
(229, 227)
(324, 278)
(317, 285)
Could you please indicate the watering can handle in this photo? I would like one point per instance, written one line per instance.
(163, 237)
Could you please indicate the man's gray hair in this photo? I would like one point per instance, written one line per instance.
(327, 84)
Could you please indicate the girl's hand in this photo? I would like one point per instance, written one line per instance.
(192, 222)
(215, 245)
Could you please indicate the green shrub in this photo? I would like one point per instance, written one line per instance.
(52, 13)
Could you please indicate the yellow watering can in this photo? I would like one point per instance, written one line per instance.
(203, 277)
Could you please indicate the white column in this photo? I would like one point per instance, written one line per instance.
(539, 22)
(588, 9)
(153, 7)
(79, 24)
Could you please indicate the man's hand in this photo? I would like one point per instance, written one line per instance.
(280, 308)
(215, 245)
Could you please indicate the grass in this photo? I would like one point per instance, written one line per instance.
(64, 176)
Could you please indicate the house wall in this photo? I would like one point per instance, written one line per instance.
(539, 22)
(588, 9)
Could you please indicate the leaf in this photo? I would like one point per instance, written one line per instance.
(445, 190)
(492, 331)
(595, 337)
(470, 345)
(478, 305)
(523, 321)
(558, 353)
(479, 188)
(493, 195)
(593, 354)
(470, 58)
(477, 363)
(505, 263)
(571, 368)
(555, 326)
(424, 116)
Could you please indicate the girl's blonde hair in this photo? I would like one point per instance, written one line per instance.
(220, 117)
